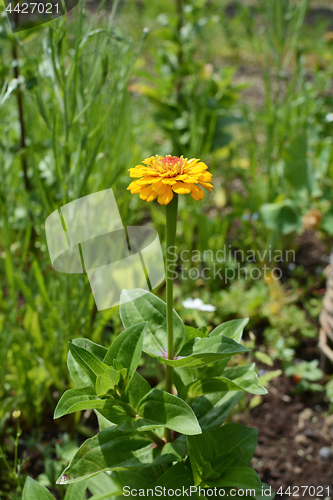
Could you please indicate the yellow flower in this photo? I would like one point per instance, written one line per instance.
(16, 414)
(164, 176)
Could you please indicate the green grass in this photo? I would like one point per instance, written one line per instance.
(98, 94)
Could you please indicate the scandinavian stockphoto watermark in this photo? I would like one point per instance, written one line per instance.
(227, 264)
(87, 236)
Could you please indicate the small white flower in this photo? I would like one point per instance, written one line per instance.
(329, 117)
(198, 304)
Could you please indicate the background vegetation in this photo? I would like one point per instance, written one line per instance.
(246, 86)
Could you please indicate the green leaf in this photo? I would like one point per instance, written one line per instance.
(263, 358)
(104, 486)
(283, 217)
(236, 477)
(84, 399)
(213, 409)
(248, 382)
(110, 416)
(237, 439)
(76, 491)
(161, 409)
(183, 377)
(78, 374)
(87, 361)
(192, 333)
(297, 170)
(35, 491)
(176, 477)
(233, 329)
(137, 388)
(107, 381)
(135, 308)
(127, 348)
(202, 449)
(113, 449)
(327, 223)
(200, 352)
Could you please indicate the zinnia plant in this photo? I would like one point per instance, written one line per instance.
(174, 438)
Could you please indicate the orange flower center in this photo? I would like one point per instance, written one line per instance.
(170, 162)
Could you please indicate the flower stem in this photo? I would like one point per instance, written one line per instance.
(171, 224)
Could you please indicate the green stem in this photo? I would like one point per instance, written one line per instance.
(155, 438)
(171, 224)
(18, 434)
(3, 456)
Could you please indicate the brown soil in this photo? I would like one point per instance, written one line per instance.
(291, 434)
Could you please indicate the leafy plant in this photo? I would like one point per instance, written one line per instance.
(306, 374)
(133, 415)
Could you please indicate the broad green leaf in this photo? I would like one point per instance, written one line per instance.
(88, 361)
(237, 439)
(200, 352)
(264, 358)
(136, 308)
(84, 399)
(78, 374)
(111, 416)
(35, 491)
(76, 491)
(107, 381)
(104, 486)
(139, 478)
(213, 409)
(236, 477)
(113, 449)
(127, 348)
(193, 333)
(137, 388)
(202, 449)
(183, 377)
(176, 478)
(221, 462)
(233, 329)
(237, 371)
(249, 382)
(283, 216)
(161, 409)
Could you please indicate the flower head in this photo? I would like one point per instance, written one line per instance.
(164, 176)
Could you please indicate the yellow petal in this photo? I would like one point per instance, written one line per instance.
(146, 192)
(160, 188)
(197, 193)
(186, 178)
(165, 198)
(206, 177)
(201, 167)
(190, 163)
(137, 173)
(152, 196)
(170, 181)
(134, 188)
(207, 186)
(181, 188)
(146, 180)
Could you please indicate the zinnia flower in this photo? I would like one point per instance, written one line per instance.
(164, 176)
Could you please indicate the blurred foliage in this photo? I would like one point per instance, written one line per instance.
(246, 87)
